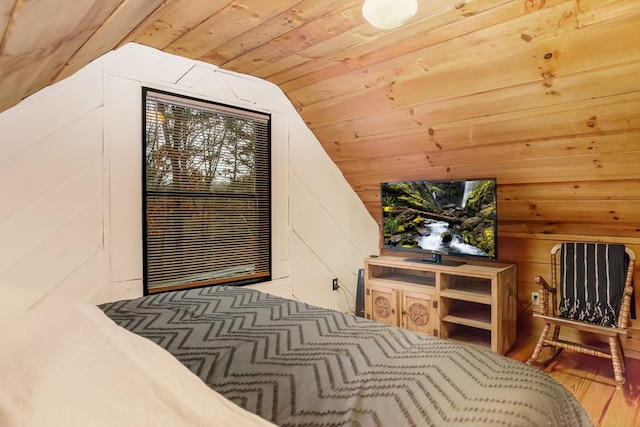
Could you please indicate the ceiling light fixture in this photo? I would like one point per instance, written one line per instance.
(387, 14)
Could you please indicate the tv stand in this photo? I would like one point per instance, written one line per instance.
(436, 259)
(475, 302)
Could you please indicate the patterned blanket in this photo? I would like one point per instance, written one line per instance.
(592, 278)
(300, 365)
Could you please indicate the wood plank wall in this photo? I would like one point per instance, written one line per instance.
(547, 100)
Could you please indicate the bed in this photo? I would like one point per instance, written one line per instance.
(294, 364)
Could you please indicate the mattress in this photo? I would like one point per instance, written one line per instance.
(295, 364)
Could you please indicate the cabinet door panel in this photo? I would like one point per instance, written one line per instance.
(384, 305)
(417, 313)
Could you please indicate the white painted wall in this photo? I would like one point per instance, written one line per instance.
(70, 187)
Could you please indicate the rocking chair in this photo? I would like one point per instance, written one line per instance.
(591, 294)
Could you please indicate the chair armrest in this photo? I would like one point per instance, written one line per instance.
(546, 290)
(544, 286)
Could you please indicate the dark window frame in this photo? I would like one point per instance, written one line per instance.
(251, 190)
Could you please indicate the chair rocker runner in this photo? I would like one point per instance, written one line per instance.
(592, 294)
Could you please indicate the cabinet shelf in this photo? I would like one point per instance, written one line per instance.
(391, 273)
(468, 321)
(479, 337)
(472, 303)
(466, 313)
(407, 278)
(472, 285)
(466, 295)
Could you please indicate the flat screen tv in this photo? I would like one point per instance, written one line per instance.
(449, 217)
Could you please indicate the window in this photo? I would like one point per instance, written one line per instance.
(207, 196)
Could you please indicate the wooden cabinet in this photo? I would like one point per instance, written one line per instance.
(476, 303)
(410, 307)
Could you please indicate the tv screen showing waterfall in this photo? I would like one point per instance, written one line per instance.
(452, 217)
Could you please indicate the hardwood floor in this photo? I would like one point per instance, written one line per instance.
(590, 379)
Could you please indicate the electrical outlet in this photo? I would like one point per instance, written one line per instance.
(334, 284)
(535, 298)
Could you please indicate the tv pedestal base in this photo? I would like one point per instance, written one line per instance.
(437, 260)
(476, 303)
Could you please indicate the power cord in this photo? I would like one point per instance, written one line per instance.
(337, 287)
(346, 298)
(527, 307)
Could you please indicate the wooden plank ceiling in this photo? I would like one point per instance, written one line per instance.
(542, 94)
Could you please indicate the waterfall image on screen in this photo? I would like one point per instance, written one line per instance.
(455, 217)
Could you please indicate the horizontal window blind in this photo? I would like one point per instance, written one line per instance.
(207, 194)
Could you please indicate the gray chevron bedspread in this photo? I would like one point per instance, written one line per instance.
(299, 365)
